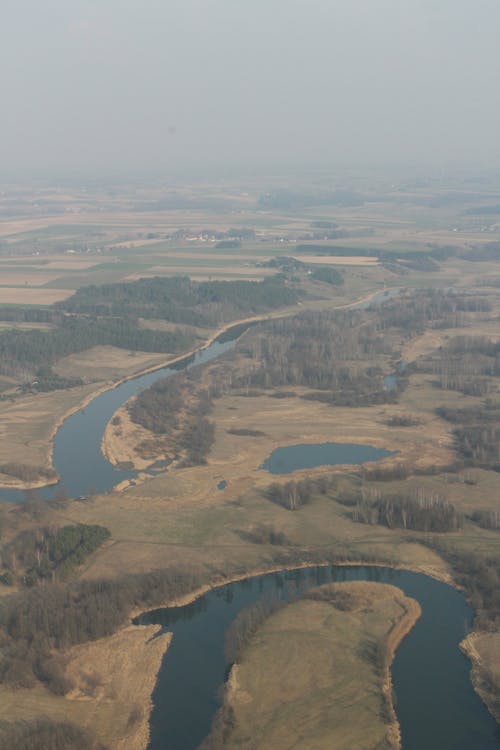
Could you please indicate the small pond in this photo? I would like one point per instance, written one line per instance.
(294, 457)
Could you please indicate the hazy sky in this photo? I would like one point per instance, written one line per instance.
(139, 85)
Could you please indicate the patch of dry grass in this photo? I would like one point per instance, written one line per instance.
(113, 678)
(107, 363)
(33, 296)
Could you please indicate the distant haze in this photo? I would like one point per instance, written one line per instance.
(138, 86)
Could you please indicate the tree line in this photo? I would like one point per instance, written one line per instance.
(419, 511)
(466, 364)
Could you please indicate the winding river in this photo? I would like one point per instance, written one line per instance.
(436, 704)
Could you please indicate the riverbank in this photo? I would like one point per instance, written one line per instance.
(483, 651)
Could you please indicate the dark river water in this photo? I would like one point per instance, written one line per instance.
(436, 704)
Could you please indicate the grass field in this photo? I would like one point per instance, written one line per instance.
(107, 363)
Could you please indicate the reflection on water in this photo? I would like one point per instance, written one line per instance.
(291, 458)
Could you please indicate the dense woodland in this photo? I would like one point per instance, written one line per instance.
(180, 300)
(325, 351)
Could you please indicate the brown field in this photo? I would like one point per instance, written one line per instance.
(107, 363)
(304, 674)
(31, 296)
(337, 260)
(25, 327)
(204, 272)
(29, 278)
(208, 254)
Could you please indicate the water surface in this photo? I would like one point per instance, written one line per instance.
(308, 456)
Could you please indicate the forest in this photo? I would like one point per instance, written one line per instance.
(180, 300)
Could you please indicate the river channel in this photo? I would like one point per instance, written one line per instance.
(436, 704)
